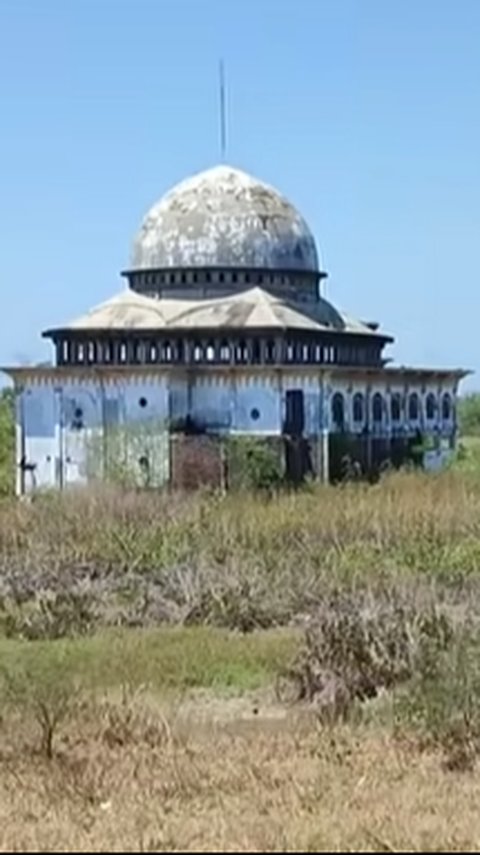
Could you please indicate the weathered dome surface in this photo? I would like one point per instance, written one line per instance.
(224, 218)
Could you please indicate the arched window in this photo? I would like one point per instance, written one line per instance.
(358, 408)
(305, 353)
(396, 408)
(446, 407)
(290, 352)
(431, 406)
(210, 352)
(413, 407)
(241, 351)
(338, 411)
(197, 352)
(224, 351)
(377, 409)
(139, 351)
(270, 351)
(167, 351)
(107, 351)
(256, 351)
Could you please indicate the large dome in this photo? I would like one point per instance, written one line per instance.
(224, 218)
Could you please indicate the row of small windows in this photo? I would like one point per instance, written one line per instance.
(227, 277)
(243, 351)
(380, 408)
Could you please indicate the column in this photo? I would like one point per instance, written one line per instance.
(325, 426)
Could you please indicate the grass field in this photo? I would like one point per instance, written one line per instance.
(142, 637)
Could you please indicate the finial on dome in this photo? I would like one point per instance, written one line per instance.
(223, 118)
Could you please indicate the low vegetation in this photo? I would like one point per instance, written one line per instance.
(250, 671)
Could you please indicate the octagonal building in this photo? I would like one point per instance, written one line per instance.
(221, 330)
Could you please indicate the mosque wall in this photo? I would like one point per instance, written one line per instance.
(74, 431)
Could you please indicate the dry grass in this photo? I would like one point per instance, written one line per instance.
(74, 563)
(136, 781)
(228, 770)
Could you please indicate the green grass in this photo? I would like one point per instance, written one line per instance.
(165, 659)
(467, 459)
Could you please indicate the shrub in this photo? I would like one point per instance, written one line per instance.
(442, 702)
(41, 688)
(358, 645)
(254, 464)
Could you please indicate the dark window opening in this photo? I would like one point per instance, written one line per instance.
(431, 406)
(358, 408)
(377, 409)
(254, 414)
(142, 402)
(446, 407)
(270, 351)
(338, 411)
(396, 408)
(294, 412)
(413, 407)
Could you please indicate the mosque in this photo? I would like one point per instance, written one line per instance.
(221, 330)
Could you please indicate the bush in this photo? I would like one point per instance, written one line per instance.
(41, 688)
(442, 702)
(359, 645)
(254, 464)
(469, 414)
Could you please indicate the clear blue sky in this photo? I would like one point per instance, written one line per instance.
(366, 113)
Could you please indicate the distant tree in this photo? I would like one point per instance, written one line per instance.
(7, 441)
(469, 414)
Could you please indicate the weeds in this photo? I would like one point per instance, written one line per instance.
(78, 562)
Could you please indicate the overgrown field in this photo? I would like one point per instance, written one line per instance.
(242, 671)
(72, 563)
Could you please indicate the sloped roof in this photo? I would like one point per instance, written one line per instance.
(254, 308)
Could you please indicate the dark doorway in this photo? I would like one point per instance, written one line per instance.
(294, 413)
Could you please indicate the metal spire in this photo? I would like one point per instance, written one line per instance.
(223, 118)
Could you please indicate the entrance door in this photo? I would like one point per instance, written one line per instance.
(294, 412)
